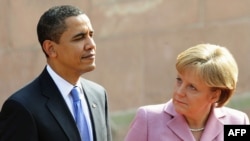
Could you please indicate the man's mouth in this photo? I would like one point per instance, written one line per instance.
(90, 56)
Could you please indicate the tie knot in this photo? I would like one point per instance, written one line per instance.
(75, 93)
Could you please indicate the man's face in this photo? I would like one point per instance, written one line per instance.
(75, 52)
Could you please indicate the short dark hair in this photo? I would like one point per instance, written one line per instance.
(52, 23)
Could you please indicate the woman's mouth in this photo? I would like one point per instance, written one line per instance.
(179, 102)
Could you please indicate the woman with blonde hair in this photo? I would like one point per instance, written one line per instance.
(206, 79)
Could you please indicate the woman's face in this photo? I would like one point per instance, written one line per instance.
(192, 96)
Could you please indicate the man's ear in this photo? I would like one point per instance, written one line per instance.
(49, 48)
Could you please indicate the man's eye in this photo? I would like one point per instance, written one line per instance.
(91, 34)
(77, 39)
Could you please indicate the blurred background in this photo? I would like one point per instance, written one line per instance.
(137, 44)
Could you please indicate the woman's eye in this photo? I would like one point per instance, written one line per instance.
(178, 80)
(192, 88)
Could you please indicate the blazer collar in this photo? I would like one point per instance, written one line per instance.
(214, 126)
(178, 124)
(94, 107)
(57, 106)
(180, 127)
(88, 93)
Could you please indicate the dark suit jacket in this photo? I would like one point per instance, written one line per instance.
(38, 112)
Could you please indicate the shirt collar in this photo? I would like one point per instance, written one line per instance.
(64, 86)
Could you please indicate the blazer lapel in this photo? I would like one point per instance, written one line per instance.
(212, 123)
(58, 107)
(93, 101)
(178, 124)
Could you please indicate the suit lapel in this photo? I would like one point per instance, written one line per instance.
(93, 101)
(58, 108)
(90, 97)
(178, 124)
(212, 123)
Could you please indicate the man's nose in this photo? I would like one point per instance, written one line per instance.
(91, 44)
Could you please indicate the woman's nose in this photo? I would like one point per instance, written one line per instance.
(180, 91)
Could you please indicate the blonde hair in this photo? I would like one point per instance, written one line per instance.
(213, 64)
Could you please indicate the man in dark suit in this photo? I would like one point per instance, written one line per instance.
(43, 110)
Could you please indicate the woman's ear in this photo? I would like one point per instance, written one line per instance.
(49, 48)
(216, 95)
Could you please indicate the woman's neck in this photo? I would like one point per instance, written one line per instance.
(197, 121)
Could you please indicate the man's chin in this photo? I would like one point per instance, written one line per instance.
(90, 68)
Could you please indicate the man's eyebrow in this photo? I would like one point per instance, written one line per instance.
(81, 34)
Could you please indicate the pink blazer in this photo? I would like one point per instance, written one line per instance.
(162, 123)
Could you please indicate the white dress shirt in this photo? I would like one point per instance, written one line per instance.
(65, 88)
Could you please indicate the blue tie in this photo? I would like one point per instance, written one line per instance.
(79, 115)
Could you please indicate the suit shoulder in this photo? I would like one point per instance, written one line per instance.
(91, 83)
(156, 107)
(152, 109)
(154, 115)
(232, 116)
(26, 91)
(231, 111)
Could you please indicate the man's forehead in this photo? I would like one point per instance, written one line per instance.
(80, 19)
